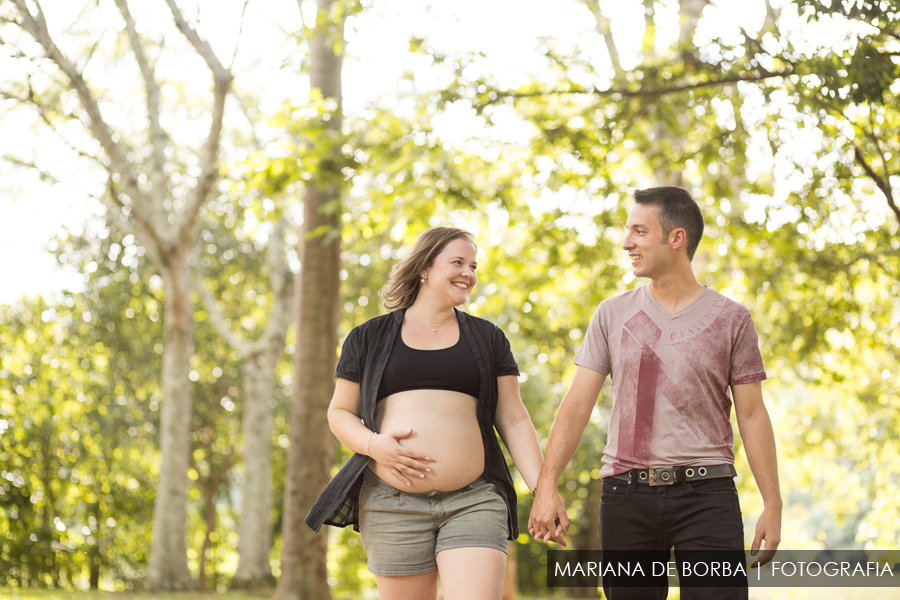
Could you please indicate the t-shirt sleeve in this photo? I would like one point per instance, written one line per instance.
(504, 360)
(594, 351)
(746, 361)
(348, 366)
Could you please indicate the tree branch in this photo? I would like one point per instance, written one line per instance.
(245, 108)
(240, 32)
(46, 176)
(603, 27)
(642, 93)
(158, 135)
(36, 26)
(280, 280)
(209, 171)
(159, 248)
(882, 183)
(220, 73)
(218, 320)
(43, 111)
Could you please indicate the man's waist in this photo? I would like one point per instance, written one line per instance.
(676, 474)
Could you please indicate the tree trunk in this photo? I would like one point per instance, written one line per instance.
(94, 562)
(168, 568)
(209, 506)
(255, 530)
(311, 454)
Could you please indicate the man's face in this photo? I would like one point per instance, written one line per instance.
(644, 242)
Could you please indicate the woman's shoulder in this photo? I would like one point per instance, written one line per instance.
(374, 325)
(482, 324)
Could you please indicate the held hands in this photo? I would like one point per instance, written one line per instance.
(548, 520)
(402, 462)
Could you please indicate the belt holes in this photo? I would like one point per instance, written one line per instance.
(689, 472)
(702, 471)
(643, 475)
(665, 476)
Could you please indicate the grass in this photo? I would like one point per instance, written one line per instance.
(40, 594)
(757, 594)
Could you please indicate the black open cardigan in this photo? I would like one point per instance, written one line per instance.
(363, 357)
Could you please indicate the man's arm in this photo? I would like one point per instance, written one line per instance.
(759, 444)
(548, 517)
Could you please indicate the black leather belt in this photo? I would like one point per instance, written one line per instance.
(671, 475)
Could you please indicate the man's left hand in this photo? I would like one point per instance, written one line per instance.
(768, 529)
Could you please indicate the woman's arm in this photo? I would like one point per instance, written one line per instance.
(516, 430)
(384, 448)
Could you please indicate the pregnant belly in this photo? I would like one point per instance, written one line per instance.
(445, 428)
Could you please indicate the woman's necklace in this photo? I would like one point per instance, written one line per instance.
(434, 328)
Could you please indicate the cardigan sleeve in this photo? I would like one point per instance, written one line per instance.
(348, 366)
(504, 361)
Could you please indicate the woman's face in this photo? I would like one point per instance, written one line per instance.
(452, 276)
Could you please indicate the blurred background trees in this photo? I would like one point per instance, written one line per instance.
(239, 201)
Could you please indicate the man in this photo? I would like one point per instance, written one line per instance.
(672, 348)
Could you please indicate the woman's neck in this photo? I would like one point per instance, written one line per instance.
(430, 312)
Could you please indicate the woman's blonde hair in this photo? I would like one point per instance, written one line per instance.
(402, 288)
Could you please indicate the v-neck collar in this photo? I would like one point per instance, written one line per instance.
(663, 312)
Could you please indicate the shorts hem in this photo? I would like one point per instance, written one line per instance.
(474, 544)
(401, 571)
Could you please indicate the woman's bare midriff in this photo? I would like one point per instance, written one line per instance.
(445, 428)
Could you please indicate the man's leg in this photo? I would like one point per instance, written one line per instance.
(632, 519)
(707, 528)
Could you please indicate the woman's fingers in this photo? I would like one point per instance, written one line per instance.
(401, 460)
(418, 466)
(400, 476)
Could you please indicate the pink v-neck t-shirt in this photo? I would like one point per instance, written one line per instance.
(670, 376)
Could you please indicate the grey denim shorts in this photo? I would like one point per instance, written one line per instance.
(403, 532)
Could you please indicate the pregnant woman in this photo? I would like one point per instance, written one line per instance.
(419, 392)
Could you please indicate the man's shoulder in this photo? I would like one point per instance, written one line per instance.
(729, 305)
(623, 300)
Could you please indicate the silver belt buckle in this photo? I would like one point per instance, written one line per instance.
(662, 476)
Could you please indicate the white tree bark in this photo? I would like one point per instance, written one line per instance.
(167, 235)
(259, 361)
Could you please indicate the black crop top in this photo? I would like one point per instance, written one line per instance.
(452, 369)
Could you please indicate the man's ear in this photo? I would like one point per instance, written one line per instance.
(677, 238)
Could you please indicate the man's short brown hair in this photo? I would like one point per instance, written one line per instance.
(677, 210)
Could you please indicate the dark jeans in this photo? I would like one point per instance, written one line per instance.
(699, 515)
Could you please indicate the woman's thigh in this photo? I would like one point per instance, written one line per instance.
(413, 587)
(472, 573)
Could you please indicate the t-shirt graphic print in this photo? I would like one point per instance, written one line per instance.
(670, 377)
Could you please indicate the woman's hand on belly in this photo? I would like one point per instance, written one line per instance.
(402, 462)
(444, 427)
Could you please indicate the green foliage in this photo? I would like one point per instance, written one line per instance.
(78, 422)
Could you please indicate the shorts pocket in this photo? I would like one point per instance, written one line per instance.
(373, 496)
(613, 493)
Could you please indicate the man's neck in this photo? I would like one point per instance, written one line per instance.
(676, 290)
